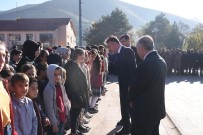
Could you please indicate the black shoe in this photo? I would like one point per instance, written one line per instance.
(96, 108)
(92, 110)
(120, 123)
(83, 129)
(124, 130)
(79, 133)
(86, 127)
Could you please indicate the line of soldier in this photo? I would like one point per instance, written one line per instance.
(181, 62)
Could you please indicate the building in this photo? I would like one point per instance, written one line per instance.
(49, 31)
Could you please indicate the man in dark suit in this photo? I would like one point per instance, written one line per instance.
(126, 66)
(147, 90)
(126, 41)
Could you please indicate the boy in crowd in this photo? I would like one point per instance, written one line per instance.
(25, 117)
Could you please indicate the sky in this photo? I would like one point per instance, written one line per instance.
(186, 8)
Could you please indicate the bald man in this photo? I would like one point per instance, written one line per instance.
(147, 91)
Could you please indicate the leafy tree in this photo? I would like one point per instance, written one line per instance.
(184, 30)
(165, 35)
(158, 29)
(175, 38)
(195, 39)
(114, 24)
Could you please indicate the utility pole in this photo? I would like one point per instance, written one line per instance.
(80, 23)
(17, 17)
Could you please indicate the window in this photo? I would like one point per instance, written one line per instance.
(29, 36)
(2, 37)
(14, 37)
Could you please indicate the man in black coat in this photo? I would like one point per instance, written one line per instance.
(126, 41)
(147, 91)
(126, 65)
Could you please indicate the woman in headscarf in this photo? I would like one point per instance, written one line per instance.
(30, 51)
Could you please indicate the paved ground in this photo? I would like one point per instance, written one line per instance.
(184, 103)
(103, 123)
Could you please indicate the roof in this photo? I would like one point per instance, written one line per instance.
(34, 24)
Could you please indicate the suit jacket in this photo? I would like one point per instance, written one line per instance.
(126, 67)
(147, 91)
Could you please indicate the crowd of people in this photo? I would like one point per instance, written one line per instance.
(50, 90)
(46, 91)
(180, 62)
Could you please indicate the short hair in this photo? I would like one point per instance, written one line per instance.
(112, 38)
(27, 67)
(147, 42)
(6, 73)
(125, 36)
(19, 77)
(15, 52)
(41, 67)
(77, 52)
(31, 80)
(54, 58)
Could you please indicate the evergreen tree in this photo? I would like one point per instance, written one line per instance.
(114, 24)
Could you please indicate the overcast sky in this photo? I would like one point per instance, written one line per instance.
(185, 8)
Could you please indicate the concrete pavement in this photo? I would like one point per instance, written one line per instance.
(184, 103)
(103, 122)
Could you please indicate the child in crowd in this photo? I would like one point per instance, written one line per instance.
(25, 119)
(32, 94)
(15, 58)
(29, 70)
(67, 102)
(95, 79)
(54, 99)
(42, 57)
(42, 80)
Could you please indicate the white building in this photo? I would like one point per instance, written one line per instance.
(49, 31)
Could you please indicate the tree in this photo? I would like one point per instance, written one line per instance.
(195, 39)
(175, 38)
(114, 24)
(184, 30)
(165, 35)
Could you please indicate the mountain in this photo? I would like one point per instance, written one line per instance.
(92, 10)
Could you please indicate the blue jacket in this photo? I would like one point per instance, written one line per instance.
(25, 119)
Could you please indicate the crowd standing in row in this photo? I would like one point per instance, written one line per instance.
(180, 62)
(46, 90)
(49, 90)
